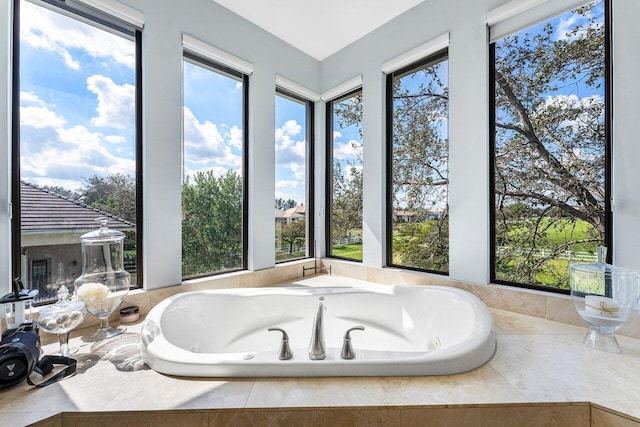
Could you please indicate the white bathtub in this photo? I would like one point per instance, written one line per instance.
(410, 330)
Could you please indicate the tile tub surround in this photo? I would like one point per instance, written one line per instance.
(538, 362)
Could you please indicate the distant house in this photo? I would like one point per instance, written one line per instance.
(291, 214)
(51, 227)
(405, 216)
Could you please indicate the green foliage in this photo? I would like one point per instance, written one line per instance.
(212, 224)
(422, 245)
(114, 194)
(550, 149)
(293, 233)
(283, 204)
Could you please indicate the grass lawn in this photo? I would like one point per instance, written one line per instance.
(351, 251)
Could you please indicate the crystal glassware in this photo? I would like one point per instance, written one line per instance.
(604, 296)
(60, 318)
(104, 283)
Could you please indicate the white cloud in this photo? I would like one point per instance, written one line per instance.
(115, 139)
(234, 135)
(291, 127)
(116, 103)
(40, 117)
(203, 143)
(350, 150)
(283, 183)
(31, 98)
(44, 29)
(291, 153)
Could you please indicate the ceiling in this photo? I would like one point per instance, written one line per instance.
(319, 28)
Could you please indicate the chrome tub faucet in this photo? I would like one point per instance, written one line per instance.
(316, 346)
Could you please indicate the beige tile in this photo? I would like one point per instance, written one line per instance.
(531, 303)
(604, 418)
(306, 392)
(148, 390)
(348, 269)
(627, 408)
(79, 419)
(24, 398)
(561, 309)
(179, 419)
(482, 385)
(20, 419)
(552, 368)
(319, 417)
(497, 416)
(509, 323)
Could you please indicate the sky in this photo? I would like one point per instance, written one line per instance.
(76, 100)
(77, 110)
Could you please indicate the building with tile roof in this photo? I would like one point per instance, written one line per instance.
(51, 226)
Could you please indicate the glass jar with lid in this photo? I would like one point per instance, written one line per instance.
(104, 283)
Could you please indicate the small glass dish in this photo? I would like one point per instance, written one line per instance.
(61, 318)
(604, 296)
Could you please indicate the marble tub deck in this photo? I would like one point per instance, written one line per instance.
(537, 362)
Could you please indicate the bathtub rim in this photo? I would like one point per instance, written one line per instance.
(160, 354)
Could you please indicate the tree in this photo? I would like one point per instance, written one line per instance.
(347, 200)
(419, 168)
(293, 233)
(212, 224)
(346, 215)
(283, 204)
(114, 194)
(550, 144)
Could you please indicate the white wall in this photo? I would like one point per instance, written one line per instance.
(468, 122)
(165, 21)
(468, 125)
(5, 147)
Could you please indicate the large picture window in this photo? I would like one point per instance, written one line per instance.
(214, 225)
(76, 140)
(344, 177)
(550, 157)
(417, 161)
(294, 184)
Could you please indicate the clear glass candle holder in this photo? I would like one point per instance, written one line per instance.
(604, 296)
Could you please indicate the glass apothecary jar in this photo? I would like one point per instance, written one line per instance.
(104, 283)
(604, 296)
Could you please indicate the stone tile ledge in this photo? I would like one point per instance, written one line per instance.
(540, 366)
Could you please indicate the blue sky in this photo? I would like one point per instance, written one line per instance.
(347, 143)
(76, 100)
(77, 108)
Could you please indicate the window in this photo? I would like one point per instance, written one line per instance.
(294, 185)
(344, 177)
(214, 193)
(551, 167)
(417, 208)
(76, 139)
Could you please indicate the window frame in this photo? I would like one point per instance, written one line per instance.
(309, 172)
(329, 173)
(105, 22)
(216, 67)
(608, 175)
(435, 58)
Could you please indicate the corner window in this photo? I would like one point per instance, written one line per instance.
(344, 177)
(214, 193)
(76, 139)
(417, 161)
(550, 159)
(294, 184)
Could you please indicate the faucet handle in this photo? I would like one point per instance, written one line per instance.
(284, 353)
(347, 349)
